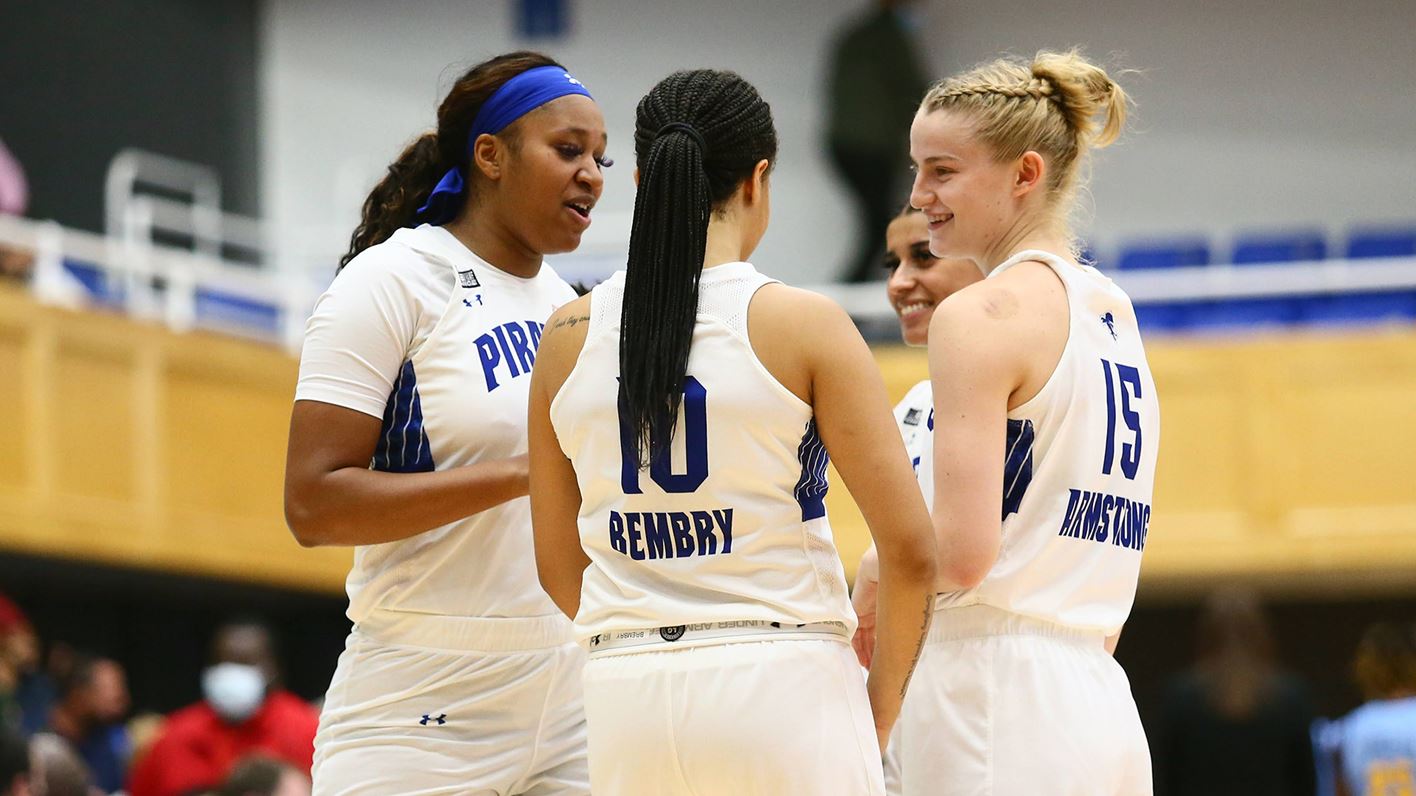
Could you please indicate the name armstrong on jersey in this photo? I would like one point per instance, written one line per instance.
(671, 534)
(1101, 518)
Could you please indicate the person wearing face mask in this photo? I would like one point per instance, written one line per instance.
(244, 711)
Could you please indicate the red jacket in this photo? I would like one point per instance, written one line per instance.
(196, 749)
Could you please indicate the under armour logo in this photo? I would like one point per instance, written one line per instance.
(441, 719)
(574, 81)
(1110, 324)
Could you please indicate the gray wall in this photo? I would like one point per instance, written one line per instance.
(86, 78)
(1248, 116)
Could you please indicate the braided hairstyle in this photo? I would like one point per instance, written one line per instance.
(698, 135)
(410, 179)
(1059, 105)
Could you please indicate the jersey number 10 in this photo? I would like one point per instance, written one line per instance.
(1127, 382)
(695, 439)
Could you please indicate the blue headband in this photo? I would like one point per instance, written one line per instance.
(516, 98)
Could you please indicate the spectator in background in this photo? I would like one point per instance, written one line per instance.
(30, 695)
(14, 765)
(245, 711)
(262, 776)
(1376, 752)
(876, 83)
(93, 698)
(1235, 723)
(55, 770)
(14, 190)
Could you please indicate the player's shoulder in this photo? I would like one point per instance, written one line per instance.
(567, 327)
(778, 308)
(998, 317)
(393, 263)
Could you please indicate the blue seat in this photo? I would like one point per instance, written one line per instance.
(1389, 242)
(1241, 312)
(1369, 308)
(228, 309)
(101, 288)
(1255, 249)
(1173, 254)
(1280, 248)
(1166, 317)
(1360, 308)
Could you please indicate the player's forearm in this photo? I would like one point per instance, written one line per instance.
(358, 506)
(905, 605)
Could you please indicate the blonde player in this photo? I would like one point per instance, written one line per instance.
(680, 418)
(1045, 435)
(408, 442)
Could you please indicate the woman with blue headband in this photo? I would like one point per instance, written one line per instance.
(680, 419)
(408, 443)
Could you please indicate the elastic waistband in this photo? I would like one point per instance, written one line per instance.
(978, 621)
(701, 633)
(473, 633)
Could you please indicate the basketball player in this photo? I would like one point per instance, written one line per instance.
(680, 419)
(1376, 753)
(918, 281)
(1046, 419)
(408, 442)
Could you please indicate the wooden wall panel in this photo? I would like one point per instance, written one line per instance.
(1284, 460)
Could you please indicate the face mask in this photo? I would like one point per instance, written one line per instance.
(234, 690)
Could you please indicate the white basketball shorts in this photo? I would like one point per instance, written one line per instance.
(454, 705)
(751, 718)
(1006, 705)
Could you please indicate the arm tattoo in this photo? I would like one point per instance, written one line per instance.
(928, 614)
(571, 321)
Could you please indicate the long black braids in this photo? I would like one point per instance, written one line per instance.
(698, 135)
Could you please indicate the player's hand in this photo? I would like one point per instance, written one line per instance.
(863, 599)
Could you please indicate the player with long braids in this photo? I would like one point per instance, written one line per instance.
(681, 416)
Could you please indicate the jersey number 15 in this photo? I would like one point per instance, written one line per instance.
(1126, 382)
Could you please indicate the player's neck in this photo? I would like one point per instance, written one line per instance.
(495, 244)
(1023, 238)
(725, 242)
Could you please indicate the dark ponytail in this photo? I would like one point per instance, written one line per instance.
(698, 135)
(394, 202)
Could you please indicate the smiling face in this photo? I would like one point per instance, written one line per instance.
(919, 280)
(966, 195)
(552, 174)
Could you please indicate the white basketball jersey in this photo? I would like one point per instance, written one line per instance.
(914, 414)
(438, 343)
(1079, 469)
(734, 527)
